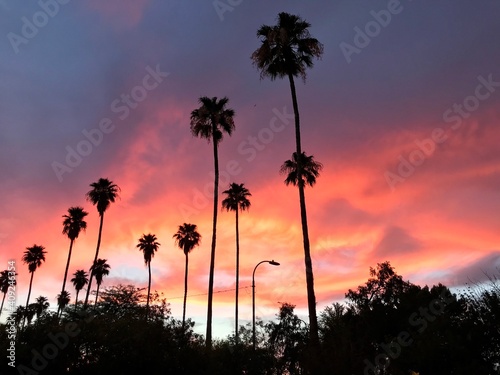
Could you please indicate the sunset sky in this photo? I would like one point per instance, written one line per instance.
(402, 110)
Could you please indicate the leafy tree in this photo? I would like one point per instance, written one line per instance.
(34, 256)
(79, 280)
(148, 244)
(103, 193)
(210, 121)
(100, 269)
(73, 223)
(286, 51)
(236, 199)
(187, 237)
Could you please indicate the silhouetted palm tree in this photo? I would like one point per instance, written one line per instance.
(237, 199)
(4, 286)
(287, 50)
(148, 245)
(103, 193)
(310, 170)
(41, 305)
(73, 224)
(63, 299)
(211, 120)
(100, 269)
(79, 280)
(34, 256)
(186, 238)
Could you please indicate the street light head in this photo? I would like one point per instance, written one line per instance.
(274, 263)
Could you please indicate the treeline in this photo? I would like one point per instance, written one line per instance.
(386, 326)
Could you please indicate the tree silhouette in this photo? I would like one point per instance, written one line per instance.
(73, 224)
(186, 238)
(236, 199)
(5, 282)
(210, 121)
(100, 269)
(103, 193)
(79, 280)
(34, 256)
(287, 50)
(148, 245)
(41, 305)
(63, 299)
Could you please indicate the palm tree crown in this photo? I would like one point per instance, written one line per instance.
(148, 245)
(41, 305)
(100, 269)
(103, 193)
(310, 170)
(187, 237)
(34, 256)
(287, 48)
(212, 119)
(236, 198)
(74, 222)
(80, 279)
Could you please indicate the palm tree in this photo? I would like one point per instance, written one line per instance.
(210, 121)
(103, 193)
(186, 238)
(79, 280)
(148, 245)
(5, 282)
(287, 50)
(236, 199)
(41, 305)
(100, 269)
(63, 299)
(34, 256)
(73, 224)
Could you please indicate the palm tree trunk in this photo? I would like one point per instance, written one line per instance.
(76, 299)
(95, 260)
(96, 295)
(66, 270)
(208, 342)
(185, 290)
(3, 300)
(311, 299)
(149, 286)
(28, 299)
(237, 279)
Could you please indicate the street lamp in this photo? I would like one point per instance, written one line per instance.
(273, 263)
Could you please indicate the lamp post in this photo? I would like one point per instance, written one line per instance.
(273, 263)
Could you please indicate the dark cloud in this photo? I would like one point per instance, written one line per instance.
(396, 242)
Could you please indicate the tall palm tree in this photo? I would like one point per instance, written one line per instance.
(236, 199)
(148, 245)
(73, 224)
(100, 269)
(103, 193)
(34, 256)
(63, 299)
(41, 305)
(210, 121)
(287, 50)
(5, 282)
(186, 238)
(79, 280)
